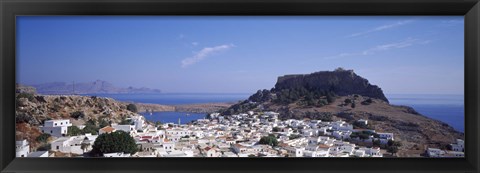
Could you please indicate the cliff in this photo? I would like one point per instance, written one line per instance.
(341, 82)
(96, 87)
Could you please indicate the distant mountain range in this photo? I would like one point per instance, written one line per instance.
(95, 87)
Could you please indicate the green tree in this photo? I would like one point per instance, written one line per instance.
(269, 140)
(118, 141)
(132, 107)
(91, 122)
(330, 98)
(74, 131)
(394, 143)
(90, 129)
(125, 121)
(103, 123)
(392, 149)
(43, 138)
(294, 136)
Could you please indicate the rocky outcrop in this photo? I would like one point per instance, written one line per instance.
(341, 82)
(35, 110)
(202, 108)
(147, 107)
(193, 108)
(96, 87)
(354, 98)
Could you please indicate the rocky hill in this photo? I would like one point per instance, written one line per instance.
(331, 96)
(95, 87)
(341, 82)
(32, 110)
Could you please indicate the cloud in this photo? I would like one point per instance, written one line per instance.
(204, 53)
(405, 43)
(383, 47)
(381, 28)
(194, 43)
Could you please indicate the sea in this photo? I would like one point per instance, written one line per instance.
(449, 109)
(177, 99)
(446, 108)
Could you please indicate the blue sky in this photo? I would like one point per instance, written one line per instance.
(401, 54)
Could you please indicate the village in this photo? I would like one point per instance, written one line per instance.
(241, 135)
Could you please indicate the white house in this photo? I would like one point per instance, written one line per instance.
(22, 148)
(126, 128)
(106, 129)
(342, 134)
(168, 145)
(38, 154)
(210, 152)
(362, 121)
(74, 144)
(139, 122)
(359, 153)
(459, 146)
(387, 136)
(372, 152)
(57, 128)
(121, 154)
(454, 154)
(238, 148)
(61, 144)
(342, 125)
(295, 151)
(435, 152)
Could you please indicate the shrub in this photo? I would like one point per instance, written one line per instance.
(269, 140)
(132, 108)
(74, 131)
(90, 129)
(118, 141)
(77, 114)
(103, 123)
(43, 138)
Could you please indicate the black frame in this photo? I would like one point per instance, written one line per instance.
(11, 8)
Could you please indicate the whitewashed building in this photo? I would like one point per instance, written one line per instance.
(57, 128)
(22, 148)
(38, 154)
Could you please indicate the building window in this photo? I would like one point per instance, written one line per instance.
(58, 147)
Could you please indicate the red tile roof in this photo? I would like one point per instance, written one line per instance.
(108, 129)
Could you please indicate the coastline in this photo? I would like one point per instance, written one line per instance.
(192, 108)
